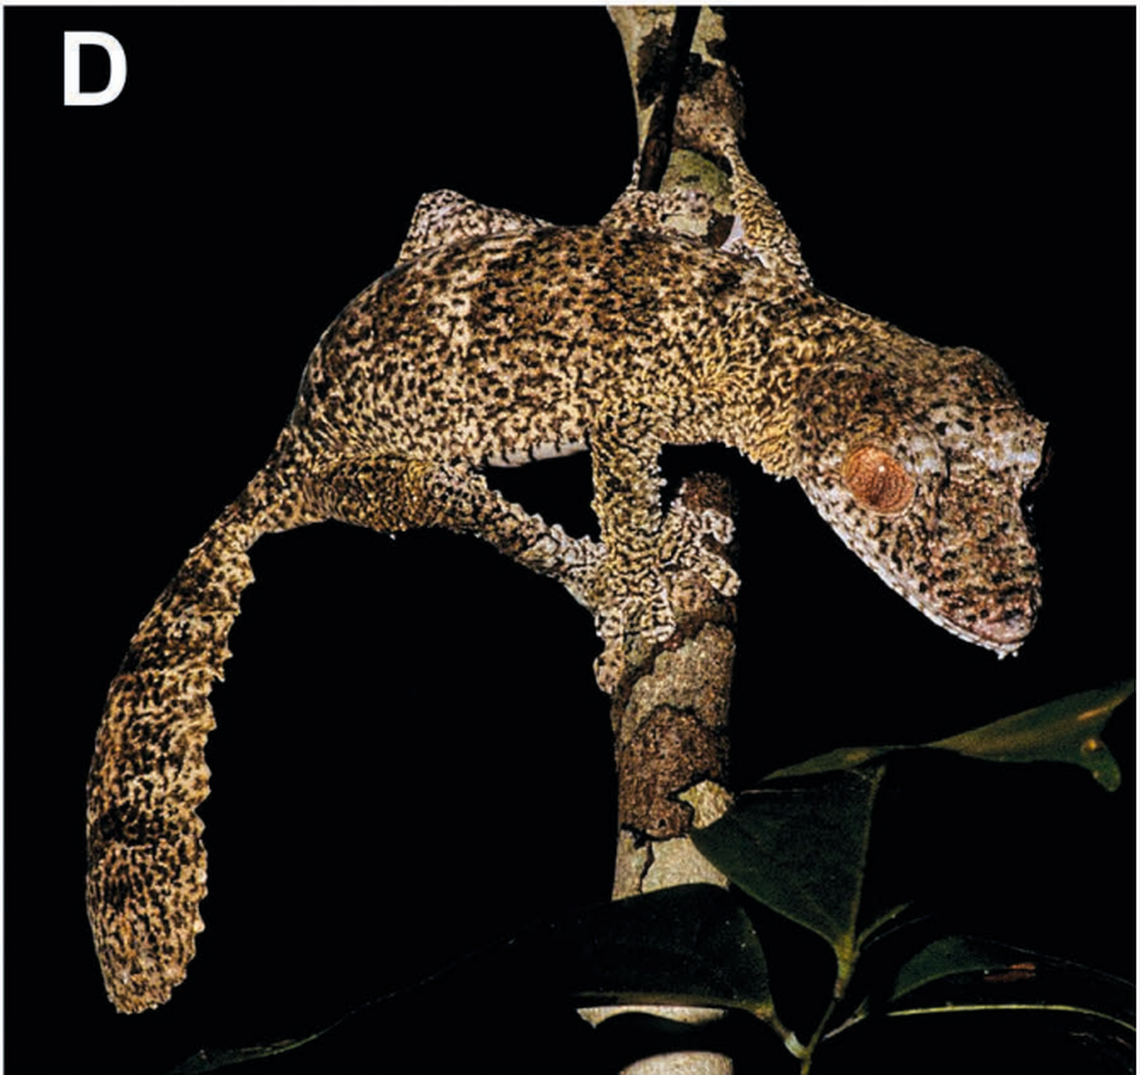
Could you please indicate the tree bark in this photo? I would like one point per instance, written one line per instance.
(670, 711)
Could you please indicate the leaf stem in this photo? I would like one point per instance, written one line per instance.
(845, 969)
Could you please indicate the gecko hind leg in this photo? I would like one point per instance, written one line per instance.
(627, 594)
(392, 494)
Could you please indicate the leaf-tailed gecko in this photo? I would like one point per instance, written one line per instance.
(497, 340)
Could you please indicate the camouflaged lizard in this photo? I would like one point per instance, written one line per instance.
(498, 340)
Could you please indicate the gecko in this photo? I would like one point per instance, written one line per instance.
(500, 340)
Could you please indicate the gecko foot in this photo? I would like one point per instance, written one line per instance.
(637, 598)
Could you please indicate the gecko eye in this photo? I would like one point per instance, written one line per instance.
(878, 480)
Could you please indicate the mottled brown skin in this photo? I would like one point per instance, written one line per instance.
(517, 341)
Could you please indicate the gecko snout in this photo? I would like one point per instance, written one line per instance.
(1008, 628)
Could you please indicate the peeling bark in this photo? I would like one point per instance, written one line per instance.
(670, 711)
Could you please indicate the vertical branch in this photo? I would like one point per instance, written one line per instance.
(670, 710)
(686, 97)
(670, 722)
(660, 89)
(671, 746)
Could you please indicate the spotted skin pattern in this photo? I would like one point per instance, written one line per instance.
(496, 340)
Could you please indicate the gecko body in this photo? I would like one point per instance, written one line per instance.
(504, 340)
(544, 341)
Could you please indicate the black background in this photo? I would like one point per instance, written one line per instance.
(411, 756)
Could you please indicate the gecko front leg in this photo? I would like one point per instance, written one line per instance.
(645, 547)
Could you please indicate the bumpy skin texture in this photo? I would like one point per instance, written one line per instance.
(949, 536)
(498, 339)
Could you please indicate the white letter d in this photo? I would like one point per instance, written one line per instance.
(72, 39)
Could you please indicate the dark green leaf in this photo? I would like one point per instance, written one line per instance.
(1067, 730)
(802, 850)
(690, 945)
(206, 1060)
(949, 956)
(970, 974)
(687, 945)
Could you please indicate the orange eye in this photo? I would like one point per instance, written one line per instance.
(878, 480)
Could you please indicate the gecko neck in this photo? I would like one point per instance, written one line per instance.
(774, 352)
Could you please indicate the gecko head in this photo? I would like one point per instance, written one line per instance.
(919, 457)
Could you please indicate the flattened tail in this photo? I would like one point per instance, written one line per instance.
(146, 865)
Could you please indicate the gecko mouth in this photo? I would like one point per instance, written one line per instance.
(1003, 637)
(1002, 630)
(1009, 628)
